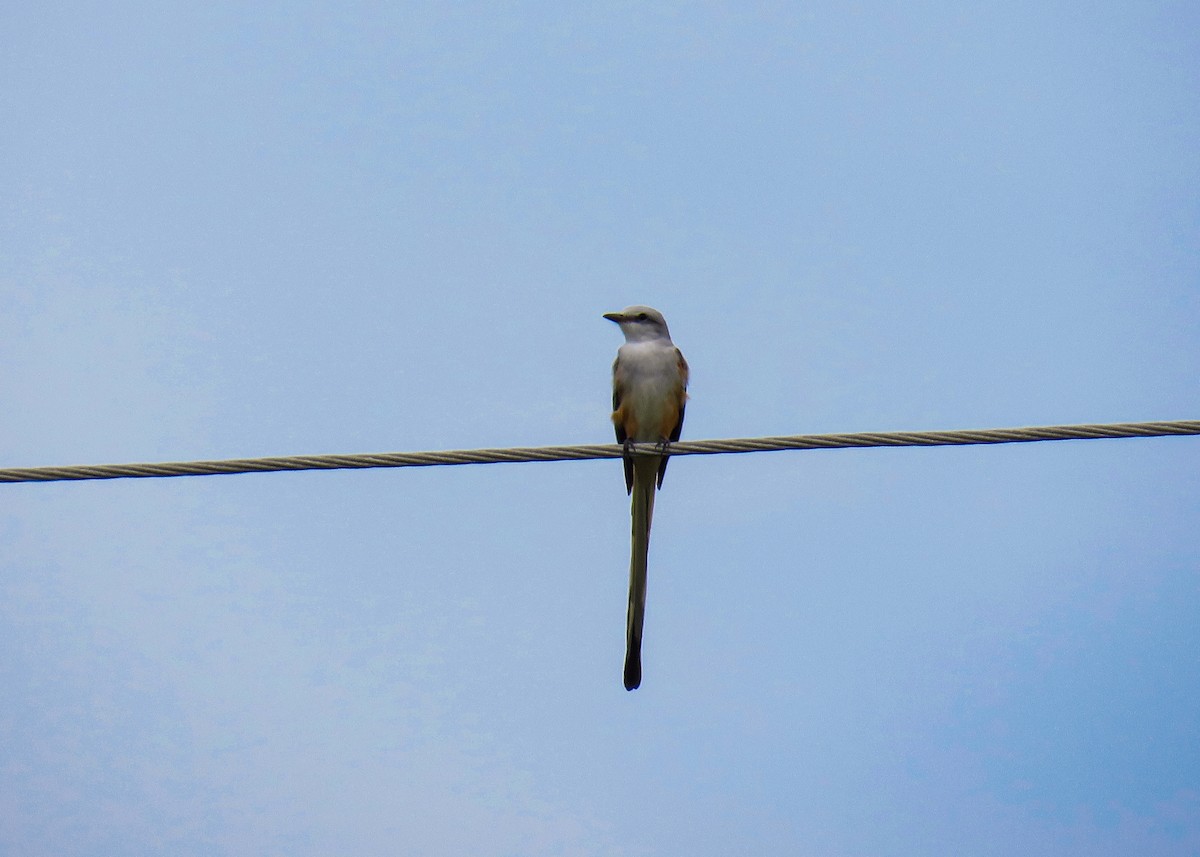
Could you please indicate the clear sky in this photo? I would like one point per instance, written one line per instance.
(232, 230)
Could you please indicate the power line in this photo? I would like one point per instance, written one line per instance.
(592, 451)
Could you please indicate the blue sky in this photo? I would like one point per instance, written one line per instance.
(232, 230)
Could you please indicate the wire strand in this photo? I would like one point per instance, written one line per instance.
(594, 451)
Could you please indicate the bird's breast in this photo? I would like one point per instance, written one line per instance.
(651, 389)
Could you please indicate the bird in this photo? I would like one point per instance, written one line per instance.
(650, 379)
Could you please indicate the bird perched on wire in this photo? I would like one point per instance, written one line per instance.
(650, 380)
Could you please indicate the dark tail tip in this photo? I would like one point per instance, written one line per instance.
(633, 673)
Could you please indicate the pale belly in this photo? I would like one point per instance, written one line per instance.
(651, 391)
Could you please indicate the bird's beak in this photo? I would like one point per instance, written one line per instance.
(614, 316)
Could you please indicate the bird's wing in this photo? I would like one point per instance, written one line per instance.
(677, 429)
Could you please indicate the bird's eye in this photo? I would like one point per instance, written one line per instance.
(641, 316)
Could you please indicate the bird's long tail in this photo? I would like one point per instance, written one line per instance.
(645, 471)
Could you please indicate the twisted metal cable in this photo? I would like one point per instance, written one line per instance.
(593, 451)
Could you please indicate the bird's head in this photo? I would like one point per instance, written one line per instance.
(640, 323)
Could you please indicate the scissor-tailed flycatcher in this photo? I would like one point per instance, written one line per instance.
(649, 393)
